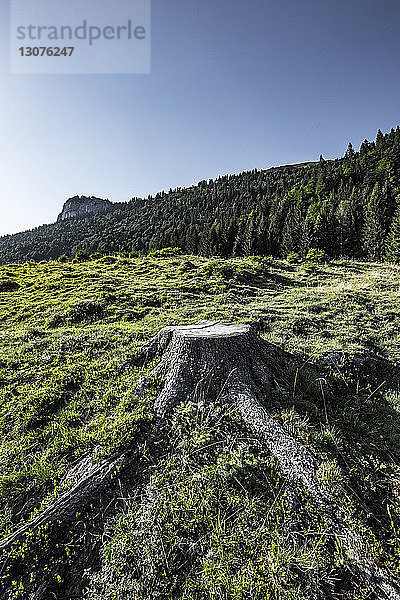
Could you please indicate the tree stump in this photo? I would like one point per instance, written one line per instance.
(204, 359)
(228, 363)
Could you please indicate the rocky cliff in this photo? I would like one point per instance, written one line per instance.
(82, 206)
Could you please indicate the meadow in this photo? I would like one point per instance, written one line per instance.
(202, 514)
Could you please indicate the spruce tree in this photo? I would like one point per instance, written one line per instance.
(374, 226)
(350, 151)
(379, 139)
(393, 239)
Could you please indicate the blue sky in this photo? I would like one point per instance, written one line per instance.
(234, 85)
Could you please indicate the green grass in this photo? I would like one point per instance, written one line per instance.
(69, 333)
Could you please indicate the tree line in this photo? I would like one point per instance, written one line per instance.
(346, 207)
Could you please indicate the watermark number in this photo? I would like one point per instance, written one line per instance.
(46, 51)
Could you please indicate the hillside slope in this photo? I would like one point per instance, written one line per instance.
(347, 207)
(199, 507)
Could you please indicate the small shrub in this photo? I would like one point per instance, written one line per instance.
(165, 252)
(316, 255)
(63, 258)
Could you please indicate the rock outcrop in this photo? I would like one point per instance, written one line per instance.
(82, 206)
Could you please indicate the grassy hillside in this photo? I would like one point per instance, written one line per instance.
(202, 512)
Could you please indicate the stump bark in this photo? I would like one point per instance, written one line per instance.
(202, 359)
(228, 363)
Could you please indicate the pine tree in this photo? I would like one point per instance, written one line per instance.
(364, 148)
(393, 240)
(350, 151)
(347, 219)
(374, 226)
(324, 230)
(379, 139)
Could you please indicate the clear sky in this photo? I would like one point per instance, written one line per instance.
(234, 85)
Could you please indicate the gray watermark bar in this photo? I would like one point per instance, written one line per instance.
(80, 36)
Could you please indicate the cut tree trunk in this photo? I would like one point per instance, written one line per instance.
(228, 363)
(203, 359)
